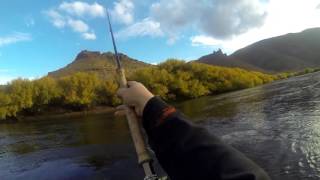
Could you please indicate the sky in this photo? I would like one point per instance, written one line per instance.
(38, 36)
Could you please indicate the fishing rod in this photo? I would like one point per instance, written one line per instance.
(144, 158)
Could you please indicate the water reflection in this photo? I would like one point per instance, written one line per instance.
(96, 129)
(85, 144)
(207, 107)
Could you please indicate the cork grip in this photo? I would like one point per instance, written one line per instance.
(134, 126)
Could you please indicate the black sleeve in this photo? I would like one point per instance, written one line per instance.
(186, 151)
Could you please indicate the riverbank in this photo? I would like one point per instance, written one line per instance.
(172, 80)
(60, 113)
(56, 111)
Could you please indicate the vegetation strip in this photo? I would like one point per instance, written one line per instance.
(172, 80)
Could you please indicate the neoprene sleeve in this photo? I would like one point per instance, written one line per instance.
(186, 151)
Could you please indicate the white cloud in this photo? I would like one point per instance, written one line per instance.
(81, 9)
(146, 27)
(282, 19)
(73, 15)
(14, 38)
(202, 40)
(122, 12)
(89, 36)
(56, 18)
(218, 18)
(78, 25)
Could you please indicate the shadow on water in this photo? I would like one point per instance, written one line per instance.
(97, 129)
(95, 146)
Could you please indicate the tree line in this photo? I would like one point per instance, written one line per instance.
(286, 75)
(172, 80)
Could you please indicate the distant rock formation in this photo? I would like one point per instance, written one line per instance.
(101, 63)
(290, 52)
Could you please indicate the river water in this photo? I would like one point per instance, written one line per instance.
(277, 125)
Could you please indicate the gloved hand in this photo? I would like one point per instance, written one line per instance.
(136, 96)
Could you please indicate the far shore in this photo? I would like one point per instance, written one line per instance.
(61, 114)
(55, 113)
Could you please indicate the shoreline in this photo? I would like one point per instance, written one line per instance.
(64, 113)
(59, 114)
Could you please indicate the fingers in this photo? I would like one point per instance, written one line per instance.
(122, 92)
(121, 110)
(126, 93)
(130, 95)
(120, 113)
(132, 83)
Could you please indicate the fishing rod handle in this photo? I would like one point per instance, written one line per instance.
(134, 126)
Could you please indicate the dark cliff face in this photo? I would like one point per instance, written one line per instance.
(101, 63)
(216, 56)
(290, 52)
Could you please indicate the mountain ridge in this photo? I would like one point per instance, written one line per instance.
(285, 53)
(289, 52)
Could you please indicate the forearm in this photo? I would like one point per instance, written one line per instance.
(189, 152)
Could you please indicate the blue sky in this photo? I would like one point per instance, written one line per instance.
(38, 36)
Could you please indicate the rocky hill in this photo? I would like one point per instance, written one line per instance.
(290, 52)
(101, 63)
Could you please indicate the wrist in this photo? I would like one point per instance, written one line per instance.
(144, 101)
(155, 112)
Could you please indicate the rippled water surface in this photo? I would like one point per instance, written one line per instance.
(277, 125)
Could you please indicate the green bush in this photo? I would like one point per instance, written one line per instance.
(173, 79)
(178, 79)
(79, 89)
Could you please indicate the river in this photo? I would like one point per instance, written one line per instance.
(277, 125)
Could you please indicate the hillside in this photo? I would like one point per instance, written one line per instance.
(218, 58)
(102, 63)
(290, 52)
